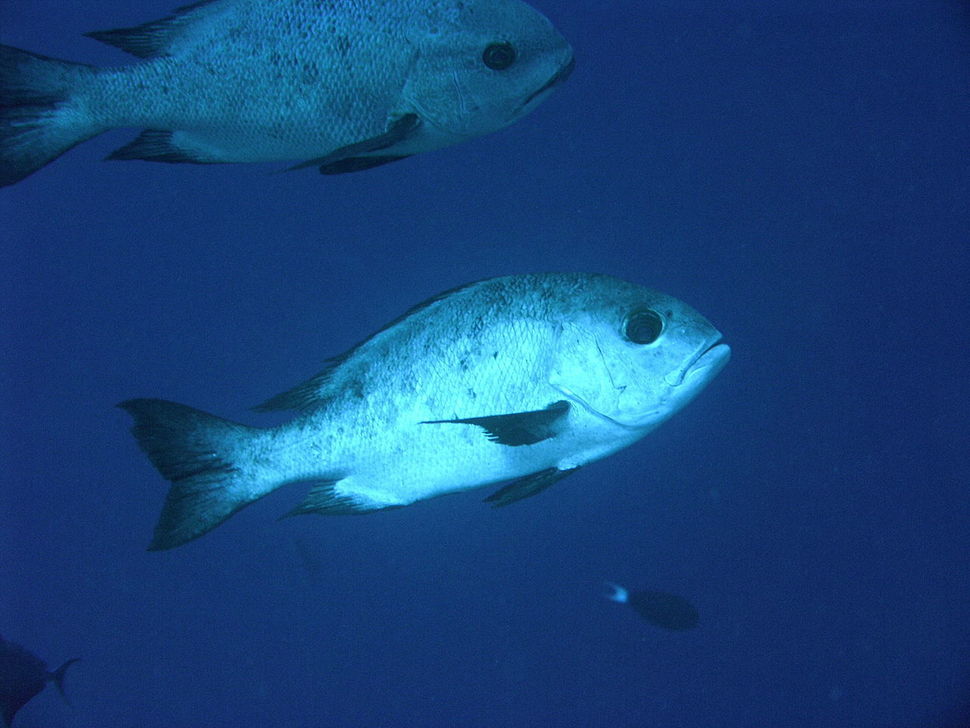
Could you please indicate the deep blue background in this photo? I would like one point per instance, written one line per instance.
(797, 171)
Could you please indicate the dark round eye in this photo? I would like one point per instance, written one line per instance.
(643, 326)
(499, 56)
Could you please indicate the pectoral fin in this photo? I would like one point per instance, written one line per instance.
(528, 486)
(350, 158)
(518, 428)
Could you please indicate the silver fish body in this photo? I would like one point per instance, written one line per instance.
(522, 379)
(339, 85)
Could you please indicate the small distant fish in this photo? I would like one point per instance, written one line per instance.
(523, 379)
(22, 676)
(343, 86)
(659, 608)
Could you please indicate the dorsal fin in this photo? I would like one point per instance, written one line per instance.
(308, 394)
(155, 38)
(304, 395)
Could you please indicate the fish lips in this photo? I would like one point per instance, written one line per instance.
(707, 363)
(557, 78)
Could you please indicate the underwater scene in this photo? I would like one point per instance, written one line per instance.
(484, 363)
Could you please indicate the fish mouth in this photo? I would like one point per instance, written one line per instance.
(708, 362)
(557, 78)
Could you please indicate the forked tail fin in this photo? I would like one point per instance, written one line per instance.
(36, 123)
(206, 460)
(58, 676)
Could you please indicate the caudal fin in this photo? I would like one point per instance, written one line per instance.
(58, 676)
(37, 123)
(205, 459)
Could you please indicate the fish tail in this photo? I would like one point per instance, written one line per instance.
(203, 456)
(58, 676)
(37, 122)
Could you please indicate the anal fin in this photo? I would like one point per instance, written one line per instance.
(322, 498)
(154, 145)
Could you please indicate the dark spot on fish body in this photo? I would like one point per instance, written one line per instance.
(343, 45)
(311, 74)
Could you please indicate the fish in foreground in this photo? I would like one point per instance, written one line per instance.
(522, 379)
(22, 676)
(342, 86)
(661, 609)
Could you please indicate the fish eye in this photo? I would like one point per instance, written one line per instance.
(499, 56)
(643, 326)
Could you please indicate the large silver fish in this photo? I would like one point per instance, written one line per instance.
(523, 379)
(343, 85)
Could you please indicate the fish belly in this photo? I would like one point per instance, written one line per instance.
(428, 460)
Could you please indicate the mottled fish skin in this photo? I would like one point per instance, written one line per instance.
(325, 82)
(521, 378)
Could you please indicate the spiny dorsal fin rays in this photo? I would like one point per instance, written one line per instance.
(309, 394)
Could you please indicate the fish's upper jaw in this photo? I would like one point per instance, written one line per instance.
(557, 78)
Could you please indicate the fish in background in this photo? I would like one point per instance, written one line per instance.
(340, 85)
(661, 609)
(22, 676)
(523, 378)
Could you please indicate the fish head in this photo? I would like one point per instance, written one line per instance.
(633, 356)
(480, 65)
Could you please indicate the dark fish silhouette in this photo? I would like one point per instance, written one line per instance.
(659, 608)
(22, 676)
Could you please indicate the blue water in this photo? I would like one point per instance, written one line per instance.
(797, 171)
